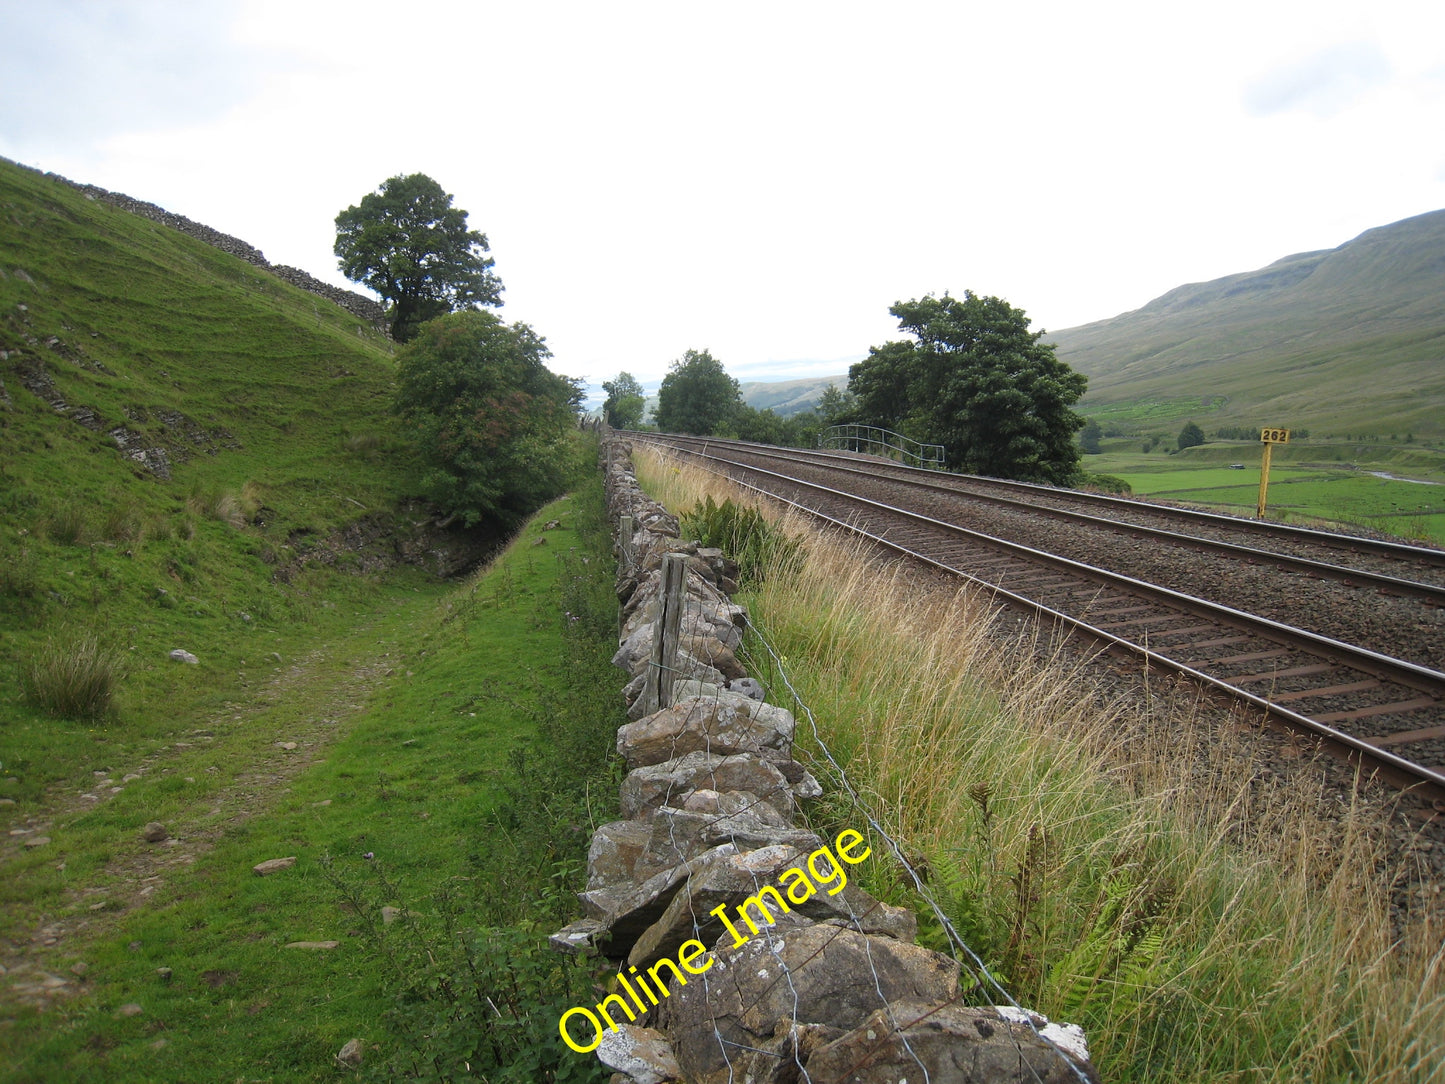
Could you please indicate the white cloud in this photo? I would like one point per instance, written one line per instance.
(765, 179)
(1325, 83)
(75, 71)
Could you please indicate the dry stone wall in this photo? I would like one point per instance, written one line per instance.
(357, 304)
(827, 985)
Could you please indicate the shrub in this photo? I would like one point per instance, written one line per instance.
(740, 532)
(124, 522)
(491, 424)
(75, 677)
(67, 525)
(366, 446)
(1106, 483)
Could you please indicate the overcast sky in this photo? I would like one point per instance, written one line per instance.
(760, 179)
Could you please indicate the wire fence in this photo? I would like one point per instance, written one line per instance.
(730, 1050)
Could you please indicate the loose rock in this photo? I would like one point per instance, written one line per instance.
(273, 865)
(351, 1054)
(644, 1054)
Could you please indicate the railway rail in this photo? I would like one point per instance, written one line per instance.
(1384, 711)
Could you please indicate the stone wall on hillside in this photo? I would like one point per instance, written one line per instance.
(357, 304)
(745, 950)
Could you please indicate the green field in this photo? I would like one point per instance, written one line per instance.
(1316, 484)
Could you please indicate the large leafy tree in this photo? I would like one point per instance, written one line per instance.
(836, 406)
(697, 396)
(490, 421)
(625, 403)
(408, 243)
(976, 380)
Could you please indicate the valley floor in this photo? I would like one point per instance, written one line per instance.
(1394, 491)
(374, 759)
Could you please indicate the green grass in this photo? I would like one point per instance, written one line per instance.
(1306, 484)
(452, 732)
(411, 722)
(75, 677)
(1121, 866)
(1151, 412)
(257, 392)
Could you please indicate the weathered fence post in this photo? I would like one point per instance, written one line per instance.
(624, 546)
(657, 691)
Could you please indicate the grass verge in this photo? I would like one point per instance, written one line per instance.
(1131, 869)
(452, 757)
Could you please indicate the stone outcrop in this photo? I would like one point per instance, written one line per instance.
(825, 984)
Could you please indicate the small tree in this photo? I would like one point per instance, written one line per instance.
(1090, 436)
(697, 396)
(490, 421)
(1191, 436)
(625, 403)
(409, 244)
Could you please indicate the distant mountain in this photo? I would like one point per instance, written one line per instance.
(1350, 340)
(784, 397)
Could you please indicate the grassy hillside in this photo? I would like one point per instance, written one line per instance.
(186, 442)
(137, 334)
(1349, 340)
(195, 455)
(785, 397)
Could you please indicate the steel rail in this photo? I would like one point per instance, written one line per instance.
(1432, 593)
(1401, 772)
(1426, 555)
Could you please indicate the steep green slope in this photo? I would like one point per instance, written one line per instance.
(1348, 340)
(137, 335)
(195, 455)
(188, 446)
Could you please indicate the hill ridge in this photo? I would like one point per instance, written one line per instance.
(1350, 337)
(357, 304)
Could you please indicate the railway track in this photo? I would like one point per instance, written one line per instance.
(1382, 705)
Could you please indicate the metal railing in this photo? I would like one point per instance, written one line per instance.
(872, 440)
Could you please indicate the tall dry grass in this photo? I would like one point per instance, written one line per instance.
(1128, 867)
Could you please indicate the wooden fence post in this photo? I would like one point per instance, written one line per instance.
(624, 546)
(662, 665)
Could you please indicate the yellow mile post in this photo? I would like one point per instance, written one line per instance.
(1269, 438)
